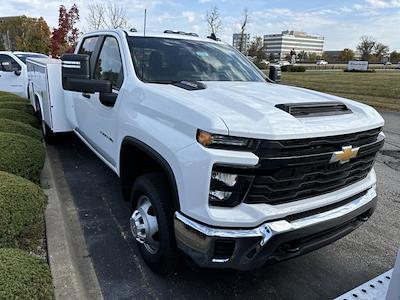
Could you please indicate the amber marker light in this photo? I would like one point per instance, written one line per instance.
(204, 138)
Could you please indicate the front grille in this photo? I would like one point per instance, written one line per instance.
(291, 170)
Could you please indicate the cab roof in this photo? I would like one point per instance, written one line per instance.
(166, 34)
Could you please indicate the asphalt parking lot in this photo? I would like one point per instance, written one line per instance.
(323, 274)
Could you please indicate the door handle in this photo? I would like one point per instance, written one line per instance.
(86, 95)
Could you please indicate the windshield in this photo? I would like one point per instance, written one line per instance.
(172, 60)
(23, 57)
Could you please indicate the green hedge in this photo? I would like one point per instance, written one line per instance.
(21, 155)
(21, 209)
(9, 126)
(23, 276)
(25, 107)
(2, 93)
(290, 68)
(360, 71)
(17, 115)
(11, 97)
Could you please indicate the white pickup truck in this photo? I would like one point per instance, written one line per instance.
(218, 162)
(13, 72)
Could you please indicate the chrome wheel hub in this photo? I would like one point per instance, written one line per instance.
(144, 225)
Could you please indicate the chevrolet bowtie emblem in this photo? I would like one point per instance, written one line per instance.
(344, 156)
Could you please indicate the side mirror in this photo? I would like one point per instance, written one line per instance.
(275, 73)
(76, 75)
(17, 72)
(74, 66)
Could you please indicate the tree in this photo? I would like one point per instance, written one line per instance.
(214, 20)
(106, 15)
(380, 50)
(346, 55)
(302, 55)
(271, 57)
(395, 57)
(243, 26)
(366, 47)
(256, 47)
(64, 38)
(257, 50)
(25, 34)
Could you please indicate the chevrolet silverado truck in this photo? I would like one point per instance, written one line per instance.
(218, 162)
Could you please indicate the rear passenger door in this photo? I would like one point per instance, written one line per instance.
(102, 129)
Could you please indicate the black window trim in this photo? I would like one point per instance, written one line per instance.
(98, 48)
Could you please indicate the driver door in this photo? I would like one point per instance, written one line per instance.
(9, 80)
(98, 122)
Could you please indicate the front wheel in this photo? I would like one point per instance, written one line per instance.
(151, 223)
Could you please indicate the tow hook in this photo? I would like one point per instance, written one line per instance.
(363, 218)
(266, 235)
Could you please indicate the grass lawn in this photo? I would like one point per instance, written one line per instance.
(380, 89)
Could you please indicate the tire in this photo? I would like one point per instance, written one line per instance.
(47, 133)
(154, 188)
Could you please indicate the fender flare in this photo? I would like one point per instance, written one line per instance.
(160, 160)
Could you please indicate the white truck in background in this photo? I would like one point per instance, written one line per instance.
(218, 163)
(13, 72)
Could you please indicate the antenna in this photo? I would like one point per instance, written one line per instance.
(145, 20)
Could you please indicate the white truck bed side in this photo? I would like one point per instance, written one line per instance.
(45, 79)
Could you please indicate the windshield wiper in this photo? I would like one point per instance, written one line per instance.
(190, 85)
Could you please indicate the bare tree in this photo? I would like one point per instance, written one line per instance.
(214, 20)
(95, 19)
(116, 15)
(108, 14)
(243, 25)
(366, 46)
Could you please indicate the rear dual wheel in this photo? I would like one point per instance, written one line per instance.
(47, 133)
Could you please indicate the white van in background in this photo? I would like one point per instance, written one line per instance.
(13, 72)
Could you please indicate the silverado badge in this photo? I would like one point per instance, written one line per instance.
(344, 155)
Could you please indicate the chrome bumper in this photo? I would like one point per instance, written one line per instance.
(198, 240)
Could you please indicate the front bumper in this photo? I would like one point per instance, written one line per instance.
(273, 241)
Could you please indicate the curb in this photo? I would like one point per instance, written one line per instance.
(70, 263)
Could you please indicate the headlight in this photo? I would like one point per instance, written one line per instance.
(228, 189)
(219, 141)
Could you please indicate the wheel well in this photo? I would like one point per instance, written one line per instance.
(137, 159)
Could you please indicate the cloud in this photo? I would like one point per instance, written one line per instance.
(384, 4)
(342, 24)
(189, 15)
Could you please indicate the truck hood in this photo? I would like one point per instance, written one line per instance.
(248, 110)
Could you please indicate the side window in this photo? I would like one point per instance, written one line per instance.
(5, 57)
(109, 64)
(88, 45)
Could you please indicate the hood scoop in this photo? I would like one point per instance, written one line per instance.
(314, 109)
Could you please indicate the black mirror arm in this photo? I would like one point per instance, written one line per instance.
(108, 99)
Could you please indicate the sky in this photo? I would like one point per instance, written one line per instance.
(342, 23)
